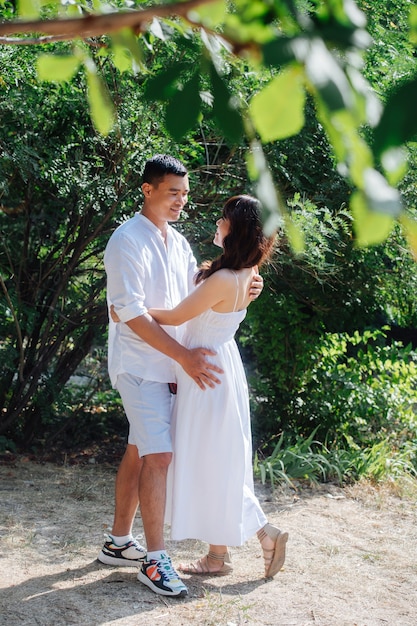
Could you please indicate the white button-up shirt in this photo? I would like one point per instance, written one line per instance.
(143, 272)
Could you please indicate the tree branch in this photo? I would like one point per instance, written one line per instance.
(91, 25)
(17, 325)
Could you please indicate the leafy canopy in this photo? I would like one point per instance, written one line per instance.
(305, 48)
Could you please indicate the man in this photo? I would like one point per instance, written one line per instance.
(149, 264)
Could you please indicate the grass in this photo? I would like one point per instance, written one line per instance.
(218, 610)
(311, 461)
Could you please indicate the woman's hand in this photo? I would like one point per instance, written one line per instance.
(114, 315)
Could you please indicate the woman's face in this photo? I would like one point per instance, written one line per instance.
(223, 229)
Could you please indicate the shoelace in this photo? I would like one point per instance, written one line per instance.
(167, 568)
(136, 541)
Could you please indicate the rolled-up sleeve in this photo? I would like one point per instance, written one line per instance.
(130, 311)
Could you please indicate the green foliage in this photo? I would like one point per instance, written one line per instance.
(6, 444)
(390, 58)
(309, 461)
(360, 390)
(289, 119)
(85, 410)
(283, 338)
(358, 401)
(299, 461)
(298, 50)
(332, 289)
(64, 188)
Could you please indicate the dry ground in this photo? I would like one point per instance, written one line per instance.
(351, 561)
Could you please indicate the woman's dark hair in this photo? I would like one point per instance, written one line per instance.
(245, 245)
(159, 166)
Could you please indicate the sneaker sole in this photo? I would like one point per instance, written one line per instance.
(113, 560)
(146, 581)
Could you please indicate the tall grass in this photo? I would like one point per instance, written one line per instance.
(311, 461)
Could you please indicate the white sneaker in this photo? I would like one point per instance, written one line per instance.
(127, 555)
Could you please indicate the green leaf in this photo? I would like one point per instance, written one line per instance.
(224, 108)
(156, 29)
(410, 230)
(370, 228)
(215, 45)
(368, 106)
(413, 24)
(328, 78)
(278, 110)
(209, 15)
(55, 68)
(127, 53)
(295, 236)
(398, 123)
(394, 162)
(359, 155)
(284, 50)
(183, 109)
(353, 153)
(265, 189)
(28, 9)
(252, 23)
(121, 58)
(101, 106)
(381, 197)
(353, 13)
(162, 86)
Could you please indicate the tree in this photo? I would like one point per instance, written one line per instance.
(63, 188)
(300, 48)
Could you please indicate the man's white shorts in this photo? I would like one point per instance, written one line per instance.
(148, 407)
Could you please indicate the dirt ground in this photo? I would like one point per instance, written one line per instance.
(351, 560)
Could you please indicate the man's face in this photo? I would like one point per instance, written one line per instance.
(164, 202)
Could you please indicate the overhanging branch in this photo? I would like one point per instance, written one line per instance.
(90, 25)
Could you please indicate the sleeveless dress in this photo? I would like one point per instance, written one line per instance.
(210, 493)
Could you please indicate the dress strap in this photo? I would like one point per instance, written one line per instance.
(237, 289)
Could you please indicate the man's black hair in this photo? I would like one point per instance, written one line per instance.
(159, 166)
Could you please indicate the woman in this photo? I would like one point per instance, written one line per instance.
(211, 495)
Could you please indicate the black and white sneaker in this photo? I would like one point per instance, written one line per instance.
(127, 555)
(161, 577)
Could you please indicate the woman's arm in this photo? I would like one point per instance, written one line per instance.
(209, 293)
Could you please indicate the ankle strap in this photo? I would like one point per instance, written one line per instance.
(217, 556)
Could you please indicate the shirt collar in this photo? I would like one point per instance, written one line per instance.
(150, 225)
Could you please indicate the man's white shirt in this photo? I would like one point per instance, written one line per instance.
(143, 272)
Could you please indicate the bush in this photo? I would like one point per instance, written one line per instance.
(360, 390)
(355, 413)
(311, 301)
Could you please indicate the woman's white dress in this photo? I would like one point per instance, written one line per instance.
(210, 484)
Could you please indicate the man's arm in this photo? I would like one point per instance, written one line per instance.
(193, 362)
(122, 253)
